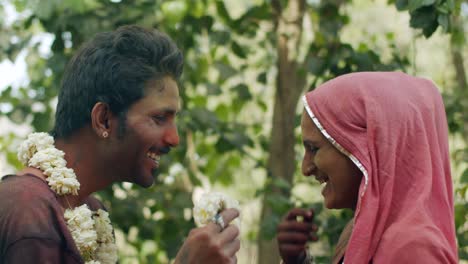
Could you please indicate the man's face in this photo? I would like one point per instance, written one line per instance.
(150, 131)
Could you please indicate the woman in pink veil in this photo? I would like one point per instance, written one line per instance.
(378, 142)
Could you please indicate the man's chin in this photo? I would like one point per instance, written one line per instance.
(145, 181)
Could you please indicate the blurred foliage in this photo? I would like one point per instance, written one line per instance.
(427, 15)
(230, 69)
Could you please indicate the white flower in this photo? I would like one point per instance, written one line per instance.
(103, 227)
(107, 253)
(81, 226)
(34, 143)
(211, 204)
(62, 180)
(47, 159)
(93, 236)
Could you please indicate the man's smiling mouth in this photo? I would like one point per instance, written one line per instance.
(155, 157)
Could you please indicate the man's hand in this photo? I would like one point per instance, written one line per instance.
(210, 244)
(294, 232)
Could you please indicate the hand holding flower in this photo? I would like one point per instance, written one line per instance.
(211, 244)
(294, 232)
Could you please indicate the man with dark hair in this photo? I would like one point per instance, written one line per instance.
(115, 118)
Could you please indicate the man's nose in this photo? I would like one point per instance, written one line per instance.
(171, 136)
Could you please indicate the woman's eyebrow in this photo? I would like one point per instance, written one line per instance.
(308, 142)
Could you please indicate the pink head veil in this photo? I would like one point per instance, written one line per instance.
(393, 127)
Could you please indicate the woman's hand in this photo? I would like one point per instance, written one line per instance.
(210, 244)
(294, 233)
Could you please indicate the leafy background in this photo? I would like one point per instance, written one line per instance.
(247, 63)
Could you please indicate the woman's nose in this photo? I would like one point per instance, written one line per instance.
(308, 166)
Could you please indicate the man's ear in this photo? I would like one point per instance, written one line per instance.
(102, 119)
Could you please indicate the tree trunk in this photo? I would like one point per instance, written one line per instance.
(456, 46)
(289, 86)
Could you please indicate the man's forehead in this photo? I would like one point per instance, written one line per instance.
(160, 84)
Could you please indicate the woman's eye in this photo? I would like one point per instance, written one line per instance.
(313, 149)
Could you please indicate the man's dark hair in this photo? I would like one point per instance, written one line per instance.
(113, 68)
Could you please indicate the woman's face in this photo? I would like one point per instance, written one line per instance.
(330, 167)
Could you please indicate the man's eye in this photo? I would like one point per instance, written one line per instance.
(159, 119)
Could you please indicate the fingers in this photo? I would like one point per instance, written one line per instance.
(292, 250)
(294, 213)
(228, 240)
(227, 215)
(231, 248)
(296, 226)
(234, 260)
(293, 232)
(293, 238)
(228, 234)
(297, 231)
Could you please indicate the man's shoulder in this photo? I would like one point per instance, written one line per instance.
(26, 197)
(24, 191)
(28, 209)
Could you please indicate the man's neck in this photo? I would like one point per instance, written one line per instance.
(82, 156)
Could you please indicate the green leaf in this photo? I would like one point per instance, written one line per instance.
(220, 37)
(225, 71)
(262, 12)
(234, 139)
(401, 4)
(222, 11)
(279, 203)
(222, 111)
(174, 11)
(269, 227)
(197, 8)
(426, 19)
(224, 145)
(243, 92)
(44, 9)
(238, 50)
(416, 4)
(316, 65)
(464, 177)
(203, 119)
(444, 22)
(20, 5)
(281, 184)
(444, 8)
(41, 121)
(213, 89)
(262, 78)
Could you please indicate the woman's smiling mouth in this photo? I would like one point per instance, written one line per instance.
(321, 179)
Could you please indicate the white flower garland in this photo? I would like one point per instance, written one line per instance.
(92, 232)
(211, 204)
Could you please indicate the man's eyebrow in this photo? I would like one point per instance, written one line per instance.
(168, 111)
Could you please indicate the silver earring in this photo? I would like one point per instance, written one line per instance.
(105, 134)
